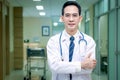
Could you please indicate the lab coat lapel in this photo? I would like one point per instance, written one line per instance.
(65, 48)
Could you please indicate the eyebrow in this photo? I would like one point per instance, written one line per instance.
(71, 13)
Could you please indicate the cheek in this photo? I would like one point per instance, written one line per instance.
(78, 20)
(65, 21)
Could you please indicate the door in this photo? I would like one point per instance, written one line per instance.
(101, 38)
(103, 44)
(102, 47)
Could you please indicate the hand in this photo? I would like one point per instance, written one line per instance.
(88, 63)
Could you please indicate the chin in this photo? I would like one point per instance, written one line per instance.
(71, 28)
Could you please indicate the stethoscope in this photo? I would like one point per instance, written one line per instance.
(81, 39)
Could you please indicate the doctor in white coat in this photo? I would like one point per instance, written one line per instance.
(58, 48)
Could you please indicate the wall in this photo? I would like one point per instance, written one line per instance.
(11, 37)
(91, 20)
(32, 28)
(2, 41)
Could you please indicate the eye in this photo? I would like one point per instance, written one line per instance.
(75, 15)
(67, 15)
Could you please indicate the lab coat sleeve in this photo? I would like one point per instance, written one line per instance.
(90, 49)
(54, 59)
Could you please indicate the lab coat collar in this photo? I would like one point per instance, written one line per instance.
(66, 36)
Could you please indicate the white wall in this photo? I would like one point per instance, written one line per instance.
(32, 28)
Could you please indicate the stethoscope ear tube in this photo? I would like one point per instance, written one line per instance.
(78, 43)
(82, 40)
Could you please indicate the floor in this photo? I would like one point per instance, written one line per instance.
(20, 74)
(38, 73)
(102, 76)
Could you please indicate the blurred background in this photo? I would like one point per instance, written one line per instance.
(28, 24)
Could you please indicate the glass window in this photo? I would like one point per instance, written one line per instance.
(96, 9)
(101, 6)
(119, 2)
(105, 5)
(112, 4)
(87, 16)
(87, 27)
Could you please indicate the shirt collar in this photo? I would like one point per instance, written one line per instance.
(67, 36)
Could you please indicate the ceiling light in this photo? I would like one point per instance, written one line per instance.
(36, 0)
(60, 20)
(55, 23)
(40, 7)
(42, 13)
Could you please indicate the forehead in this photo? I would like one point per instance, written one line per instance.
(71, 9)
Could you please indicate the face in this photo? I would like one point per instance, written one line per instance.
(71, 18)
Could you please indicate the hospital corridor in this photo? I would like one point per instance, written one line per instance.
(27, 25)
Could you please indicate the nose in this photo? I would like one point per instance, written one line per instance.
(71, 18)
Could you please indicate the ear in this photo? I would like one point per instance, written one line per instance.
(62, 20)
(80, 18)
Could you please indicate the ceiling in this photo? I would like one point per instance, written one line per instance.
(52, 8)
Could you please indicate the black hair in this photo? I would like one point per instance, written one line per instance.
(68, 3)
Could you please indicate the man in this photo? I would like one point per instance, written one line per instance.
(71, 53)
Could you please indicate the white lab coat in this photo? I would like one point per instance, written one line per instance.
(61, 69)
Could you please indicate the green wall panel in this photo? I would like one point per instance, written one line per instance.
(111, 50)
(118, 44)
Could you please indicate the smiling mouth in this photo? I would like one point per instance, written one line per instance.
(71, 25)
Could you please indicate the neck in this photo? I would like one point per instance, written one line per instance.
(71, 32)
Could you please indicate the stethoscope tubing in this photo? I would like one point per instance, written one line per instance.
(83, 39)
